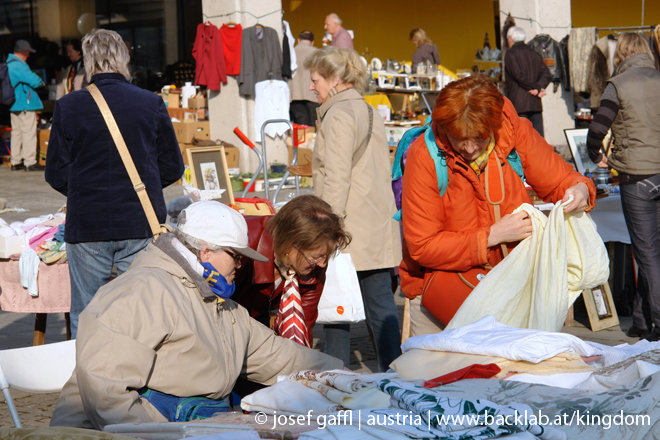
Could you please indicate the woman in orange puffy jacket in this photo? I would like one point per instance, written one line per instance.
(451, 241)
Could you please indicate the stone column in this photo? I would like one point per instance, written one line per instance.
(228, 109)
(552, 17)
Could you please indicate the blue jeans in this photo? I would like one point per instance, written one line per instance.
(90, 266)
(641, 209)
(382, 320)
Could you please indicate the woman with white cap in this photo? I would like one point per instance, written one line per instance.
(166, 331)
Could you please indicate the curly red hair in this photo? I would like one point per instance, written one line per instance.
(469, 108)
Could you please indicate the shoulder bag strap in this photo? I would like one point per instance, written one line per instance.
(138, 186)
(360, 151)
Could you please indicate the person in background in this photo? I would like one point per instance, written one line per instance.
(426, 50)
(303, 102)
(463, 230)
(24, 109)
(352, 172)
(526, 77)
(73, 77)
(298, 241)
(340, 36)
(106, 224)
(165, 341)
(629, 107)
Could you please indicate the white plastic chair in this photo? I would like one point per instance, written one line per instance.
(38, 369)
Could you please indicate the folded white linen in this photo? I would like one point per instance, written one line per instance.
(492, 338)
(287, 397)
(346, 388)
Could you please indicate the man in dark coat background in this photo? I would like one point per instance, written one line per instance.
(526, 77)
(106, 224)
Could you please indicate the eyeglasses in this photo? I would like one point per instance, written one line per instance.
(311, 263)
(236, 257)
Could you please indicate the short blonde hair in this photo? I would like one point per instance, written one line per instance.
(337, 62)
(419, 37)
(104, 51)
(630, 44)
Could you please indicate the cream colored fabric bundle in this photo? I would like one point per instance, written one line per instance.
(537, 283)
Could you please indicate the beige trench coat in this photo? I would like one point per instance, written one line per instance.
(362, 195)
(160, 326)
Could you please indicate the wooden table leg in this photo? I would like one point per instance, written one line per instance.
(570, 321)
(40, 329)
(68, 326)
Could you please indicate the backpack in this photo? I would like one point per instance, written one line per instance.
(438, 157)
(7, 96)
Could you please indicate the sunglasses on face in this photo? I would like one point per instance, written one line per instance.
(235, 256)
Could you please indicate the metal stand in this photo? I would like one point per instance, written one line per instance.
(263, 149)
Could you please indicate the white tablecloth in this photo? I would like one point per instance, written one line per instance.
(608, 216)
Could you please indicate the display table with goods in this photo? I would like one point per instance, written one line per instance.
(34, 274)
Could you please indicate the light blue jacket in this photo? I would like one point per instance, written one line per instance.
(24, 81)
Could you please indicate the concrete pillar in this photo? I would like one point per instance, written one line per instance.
(171, 32)
(228, 109)
(552, 17)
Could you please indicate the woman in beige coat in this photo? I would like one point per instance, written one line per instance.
(351, 171)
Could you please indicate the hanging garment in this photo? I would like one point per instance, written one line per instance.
(261, 58)
(232, 37)
(534, 286)
(579, 47)
(271, 102)
(286, 30)
(208, 52)
(286, 58)
(601, 67)
(552, 55)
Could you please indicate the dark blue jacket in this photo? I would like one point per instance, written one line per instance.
(84, 164)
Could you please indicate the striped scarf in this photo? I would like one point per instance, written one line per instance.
(291, 320)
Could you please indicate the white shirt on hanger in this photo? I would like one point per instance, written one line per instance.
(271, 101)
(292, 41)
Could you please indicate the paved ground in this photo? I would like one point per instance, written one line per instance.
(28, 190)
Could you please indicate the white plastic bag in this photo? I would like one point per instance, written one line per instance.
(341, 302)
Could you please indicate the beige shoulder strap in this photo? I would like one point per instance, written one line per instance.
(139, 187)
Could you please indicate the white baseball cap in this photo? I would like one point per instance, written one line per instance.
(217, 224)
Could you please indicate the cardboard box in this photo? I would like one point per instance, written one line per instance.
(231, 154)
(304, 156)
(186, 131)
(11, 245)
(180, 113)
(174, 99)
(198, 102)
(43, 136)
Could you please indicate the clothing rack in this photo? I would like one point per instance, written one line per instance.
(206, 17)
(625, 28)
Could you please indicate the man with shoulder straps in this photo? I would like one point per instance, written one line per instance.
(106, 223)
(24, 109)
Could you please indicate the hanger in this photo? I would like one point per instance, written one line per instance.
(231, 24)
(208, 23)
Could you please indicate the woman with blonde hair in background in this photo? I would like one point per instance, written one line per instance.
(629, 106)
(426, 50)
(351, 171)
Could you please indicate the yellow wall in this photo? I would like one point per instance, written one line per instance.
(384, 26)
(614, 13)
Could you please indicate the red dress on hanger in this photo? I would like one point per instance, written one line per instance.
(209, 55)
(232, 37)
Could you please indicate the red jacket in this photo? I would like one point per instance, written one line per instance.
(209, 55)
(449, 234)
(255, 281)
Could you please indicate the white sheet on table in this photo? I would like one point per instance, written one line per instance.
(492, 338)
(534, 286)
(289, 397)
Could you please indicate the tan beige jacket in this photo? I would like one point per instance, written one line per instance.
(160, 326)
(299, 85)
(362, 195)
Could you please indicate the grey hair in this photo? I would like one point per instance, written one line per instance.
(331, 62)
(195, 245)
(104, 51)
(516, 33)
(334, 17)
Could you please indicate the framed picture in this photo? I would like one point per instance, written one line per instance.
(577, 143)
(208, 171)
(600, 307)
